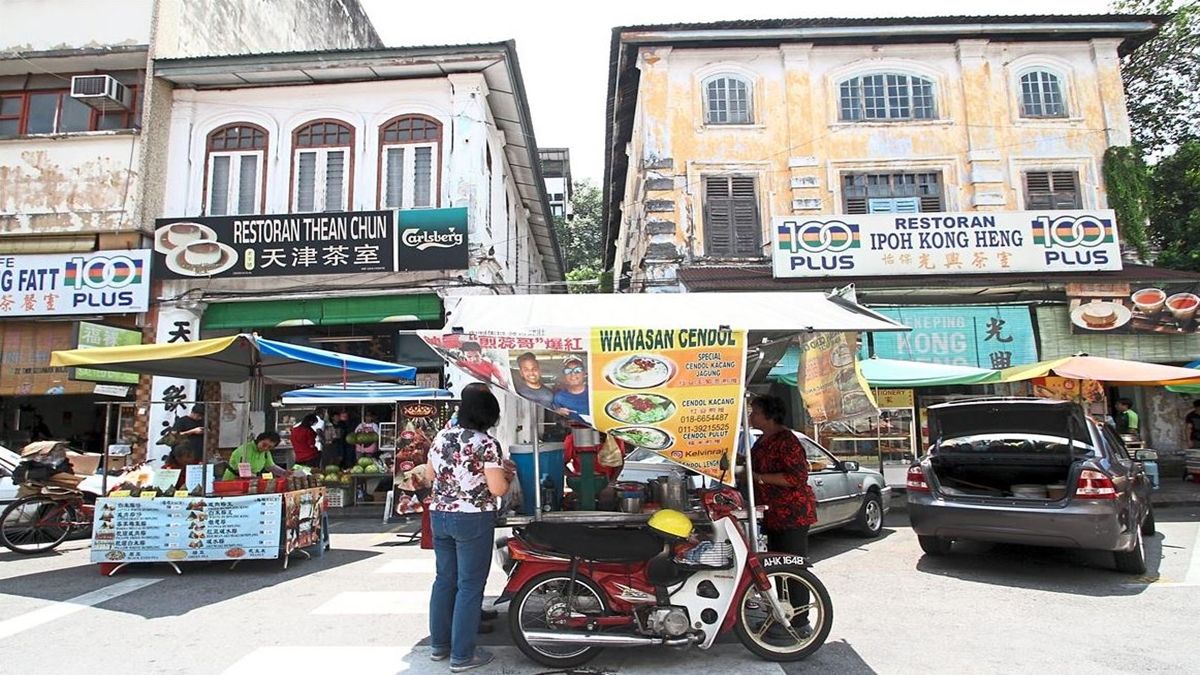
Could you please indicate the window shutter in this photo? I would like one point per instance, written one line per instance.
(335, 169)
(422, 177)
(218, 198)
(1066, 190)
(718, 217)
(894, 205)
(248, 184)
(746, 229)
(394, 190)
(306, 181)
(1047, 191)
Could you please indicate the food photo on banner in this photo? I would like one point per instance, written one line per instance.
(417, 423)
(831, 384)
(310, 243)
(1125, 308)
(674, 391)
(944, 243)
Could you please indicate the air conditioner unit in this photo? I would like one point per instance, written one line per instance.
(101, 92)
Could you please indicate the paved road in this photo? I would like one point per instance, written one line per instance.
(362, 610)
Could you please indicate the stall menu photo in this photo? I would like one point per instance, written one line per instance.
(191, 528)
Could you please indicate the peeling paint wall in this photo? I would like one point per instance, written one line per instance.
(797, 149)
(220, 27)
(86, 183)
(24, 25)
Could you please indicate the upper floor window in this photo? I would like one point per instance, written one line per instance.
(731, 220)
(236, 156)
(892, 192)
(886, 97)
(727, 100)
(1042, 95)
(56, 112)
(322, 166)
(410, 154)
(1052, 190)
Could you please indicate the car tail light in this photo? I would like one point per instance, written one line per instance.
(1095, 485)
(916, 480)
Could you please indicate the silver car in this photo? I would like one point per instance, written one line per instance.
(1029, 471)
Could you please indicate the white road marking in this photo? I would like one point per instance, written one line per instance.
(1193, 571)
(409, 566)
(63, 608)
(377, 602)
(366, 660)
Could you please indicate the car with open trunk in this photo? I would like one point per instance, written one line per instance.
(1029, 471)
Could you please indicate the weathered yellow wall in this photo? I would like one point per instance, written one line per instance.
(798, 149)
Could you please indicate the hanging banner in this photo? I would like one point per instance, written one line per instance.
(676, 392)
(829, 379)
(171, 396)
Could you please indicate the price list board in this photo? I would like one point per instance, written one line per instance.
(189, 528)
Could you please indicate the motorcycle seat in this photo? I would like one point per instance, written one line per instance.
(594, 543)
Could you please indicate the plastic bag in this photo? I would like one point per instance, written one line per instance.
(610, 454)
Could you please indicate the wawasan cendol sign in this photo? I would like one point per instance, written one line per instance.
(945, 243)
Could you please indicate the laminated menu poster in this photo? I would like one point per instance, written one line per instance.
(676, 392)
(302, 510)
(831, 384)
(190, 528)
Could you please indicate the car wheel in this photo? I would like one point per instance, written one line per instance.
(934, 545)
(869, 522)
(1148, 525)
(1132, 561)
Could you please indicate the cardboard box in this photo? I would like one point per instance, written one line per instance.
(84, 464)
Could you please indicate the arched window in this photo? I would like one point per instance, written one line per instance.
(1042, 95)
(884, 97)
(322, 166)
(727, 100)
(234, 173)
(410, 162)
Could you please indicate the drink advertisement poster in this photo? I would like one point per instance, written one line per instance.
(169, 529)
(1162, 309)
(676, 392)
(830, 382)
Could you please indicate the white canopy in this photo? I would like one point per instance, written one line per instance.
(749, 311)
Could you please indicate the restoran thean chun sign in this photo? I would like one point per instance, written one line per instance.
(945, 243)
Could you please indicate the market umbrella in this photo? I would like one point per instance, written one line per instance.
(360, 393)
(1101, 369)
(897, 374)
(237, 358)
(1186, 388)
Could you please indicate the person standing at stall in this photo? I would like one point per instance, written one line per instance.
(191, 428)
(304, 442)
(256, 455)
(1191, 425)
(466, 475)
(781, 483)
(1127, 420)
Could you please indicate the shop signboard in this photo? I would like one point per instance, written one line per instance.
(301, 244)
(892, 399)
(1152, 309)
(97, 335)
(25, 348)
(103, 282)
(169, 529)
(830, 382)
(676, 392)
(962, 335)
(904, 244)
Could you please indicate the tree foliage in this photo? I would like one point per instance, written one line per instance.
(1127, 181)
(581, 237)
(1162, 77)
(1175, 209)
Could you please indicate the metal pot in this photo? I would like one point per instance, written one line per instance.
(630, 504)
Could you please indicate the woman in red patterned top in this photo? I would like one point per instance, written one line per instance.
(781, 482)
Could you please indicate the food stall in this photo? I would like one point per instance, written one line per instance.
(400, 440)
(149, 517)
(667, 374)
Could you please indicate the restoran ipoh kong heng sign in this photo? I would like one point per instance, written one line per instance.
(945, 243)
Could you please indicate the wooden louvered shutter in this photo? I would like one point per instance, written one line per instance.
(1051, 190)
(746, 227)
(718, 217)
(1065, 190)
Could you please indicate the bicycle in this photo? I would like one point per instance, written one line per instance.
(38, 523)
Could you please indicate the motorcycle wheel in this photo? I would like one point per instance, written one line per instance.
(755, 619)
(531, 610)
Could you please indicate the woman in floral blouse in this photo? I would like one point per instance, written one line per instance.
(466, 474)
(781, 482)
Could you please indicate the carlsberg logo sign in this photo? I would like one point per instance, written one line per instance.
(425, 239)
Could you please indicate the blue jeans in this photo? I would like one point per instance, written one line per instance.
(462, 547)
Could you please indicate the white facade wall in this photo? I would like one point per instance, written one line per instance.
(38, 25)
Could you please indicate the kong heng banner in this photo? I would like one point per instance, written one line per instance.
(830, 381)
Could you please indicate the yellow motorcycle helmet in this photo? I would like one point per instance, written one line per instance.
(671, 523)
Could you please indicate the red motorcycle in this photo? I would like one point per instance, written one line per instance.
(576, 589)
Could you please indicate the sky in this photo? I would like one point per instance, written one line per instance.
(563, 46)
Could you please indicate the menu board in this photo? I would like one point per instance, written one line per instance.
(303, 510)
(830, 382)
(677, 392)
(181, 529)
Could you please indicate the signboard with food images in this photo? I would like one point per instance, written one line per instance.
(181, 529)
(302, 514)
(830, 382)
(418, 422)
(676, 392)
(945, 243)
(1165, 309)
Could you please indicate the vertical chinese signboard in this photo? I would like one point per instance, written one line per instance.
(170, 396)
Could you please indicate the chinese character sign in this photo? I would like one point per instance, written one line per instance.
(974, 335)
(103, 282)
(171, 396)
(945, 243)
(96, 335)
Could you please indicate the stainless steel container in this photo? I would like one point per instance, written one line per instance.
(585, 437)
(630, 504)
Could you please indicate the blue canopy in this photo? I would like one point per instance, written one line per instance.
(360, 393)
